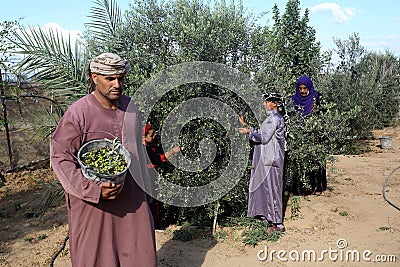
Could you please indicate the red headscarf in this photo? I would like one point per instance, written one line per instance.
(147, 128)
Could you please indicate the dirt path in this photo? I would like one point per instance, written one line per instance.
(352, 214)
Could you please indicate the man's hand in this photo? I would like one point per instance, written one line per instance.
(110, 190)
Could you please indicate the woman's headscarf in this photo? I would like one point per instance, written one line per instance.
(305, 103)
(147, 128)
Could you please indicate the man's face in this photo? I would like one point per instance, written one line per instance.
(303, 90)
(109, 86)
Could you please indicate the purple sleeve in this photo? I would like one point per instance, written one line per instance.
(265, 133)
(254, 135)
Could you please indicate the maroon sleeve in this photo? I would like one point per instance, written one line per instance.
(65, 143)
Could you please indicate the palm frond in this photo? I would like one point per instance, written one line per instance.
(52, 59)
(45, 124)
(106, 18)
(39, 115)
(53, 193)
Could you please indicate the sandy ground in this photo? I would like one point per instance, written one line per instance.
(349, 220)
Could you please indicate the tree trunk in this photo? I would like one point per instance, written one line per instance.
(5, 119)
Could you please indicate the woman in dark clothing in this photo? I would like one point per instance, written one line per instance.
(305, 100)
(155, 160)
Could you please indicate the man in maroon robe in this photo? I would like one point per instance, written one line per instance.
(109, 224)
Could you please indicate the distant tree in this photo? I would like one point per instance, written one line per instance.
(366, 84)
(349, 52)
(292, 49)
(6, 31)
(380, 79)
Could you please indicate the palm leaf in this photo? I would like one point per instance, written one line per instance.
(45, 124)
(106, 18)
(50, 58)
(102, 31)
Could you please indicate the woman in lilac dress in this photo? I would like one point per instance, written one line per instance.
(266, 181)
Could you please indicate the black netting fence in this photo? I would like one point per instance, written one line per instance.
(26, 121)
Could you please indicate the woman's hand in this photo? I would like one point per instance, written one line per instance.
(176, 149)
(242, 121)
(172, 152)
(243, 130)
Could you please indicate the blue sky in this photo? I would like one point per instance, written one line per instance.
(376, 22)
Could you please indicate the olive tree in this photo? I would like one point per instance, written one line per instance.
(291, 49)
(366, 84)
(6, 46)
(165, 34)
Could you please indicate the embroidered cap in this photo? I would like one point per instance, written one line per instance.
(273, 96)
(107, 64)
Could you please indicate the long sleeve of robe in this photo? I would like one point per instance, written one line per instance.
(104, 233)
(266, 181)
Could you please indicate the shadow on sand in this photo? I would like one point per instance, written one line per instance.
(188, 247)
